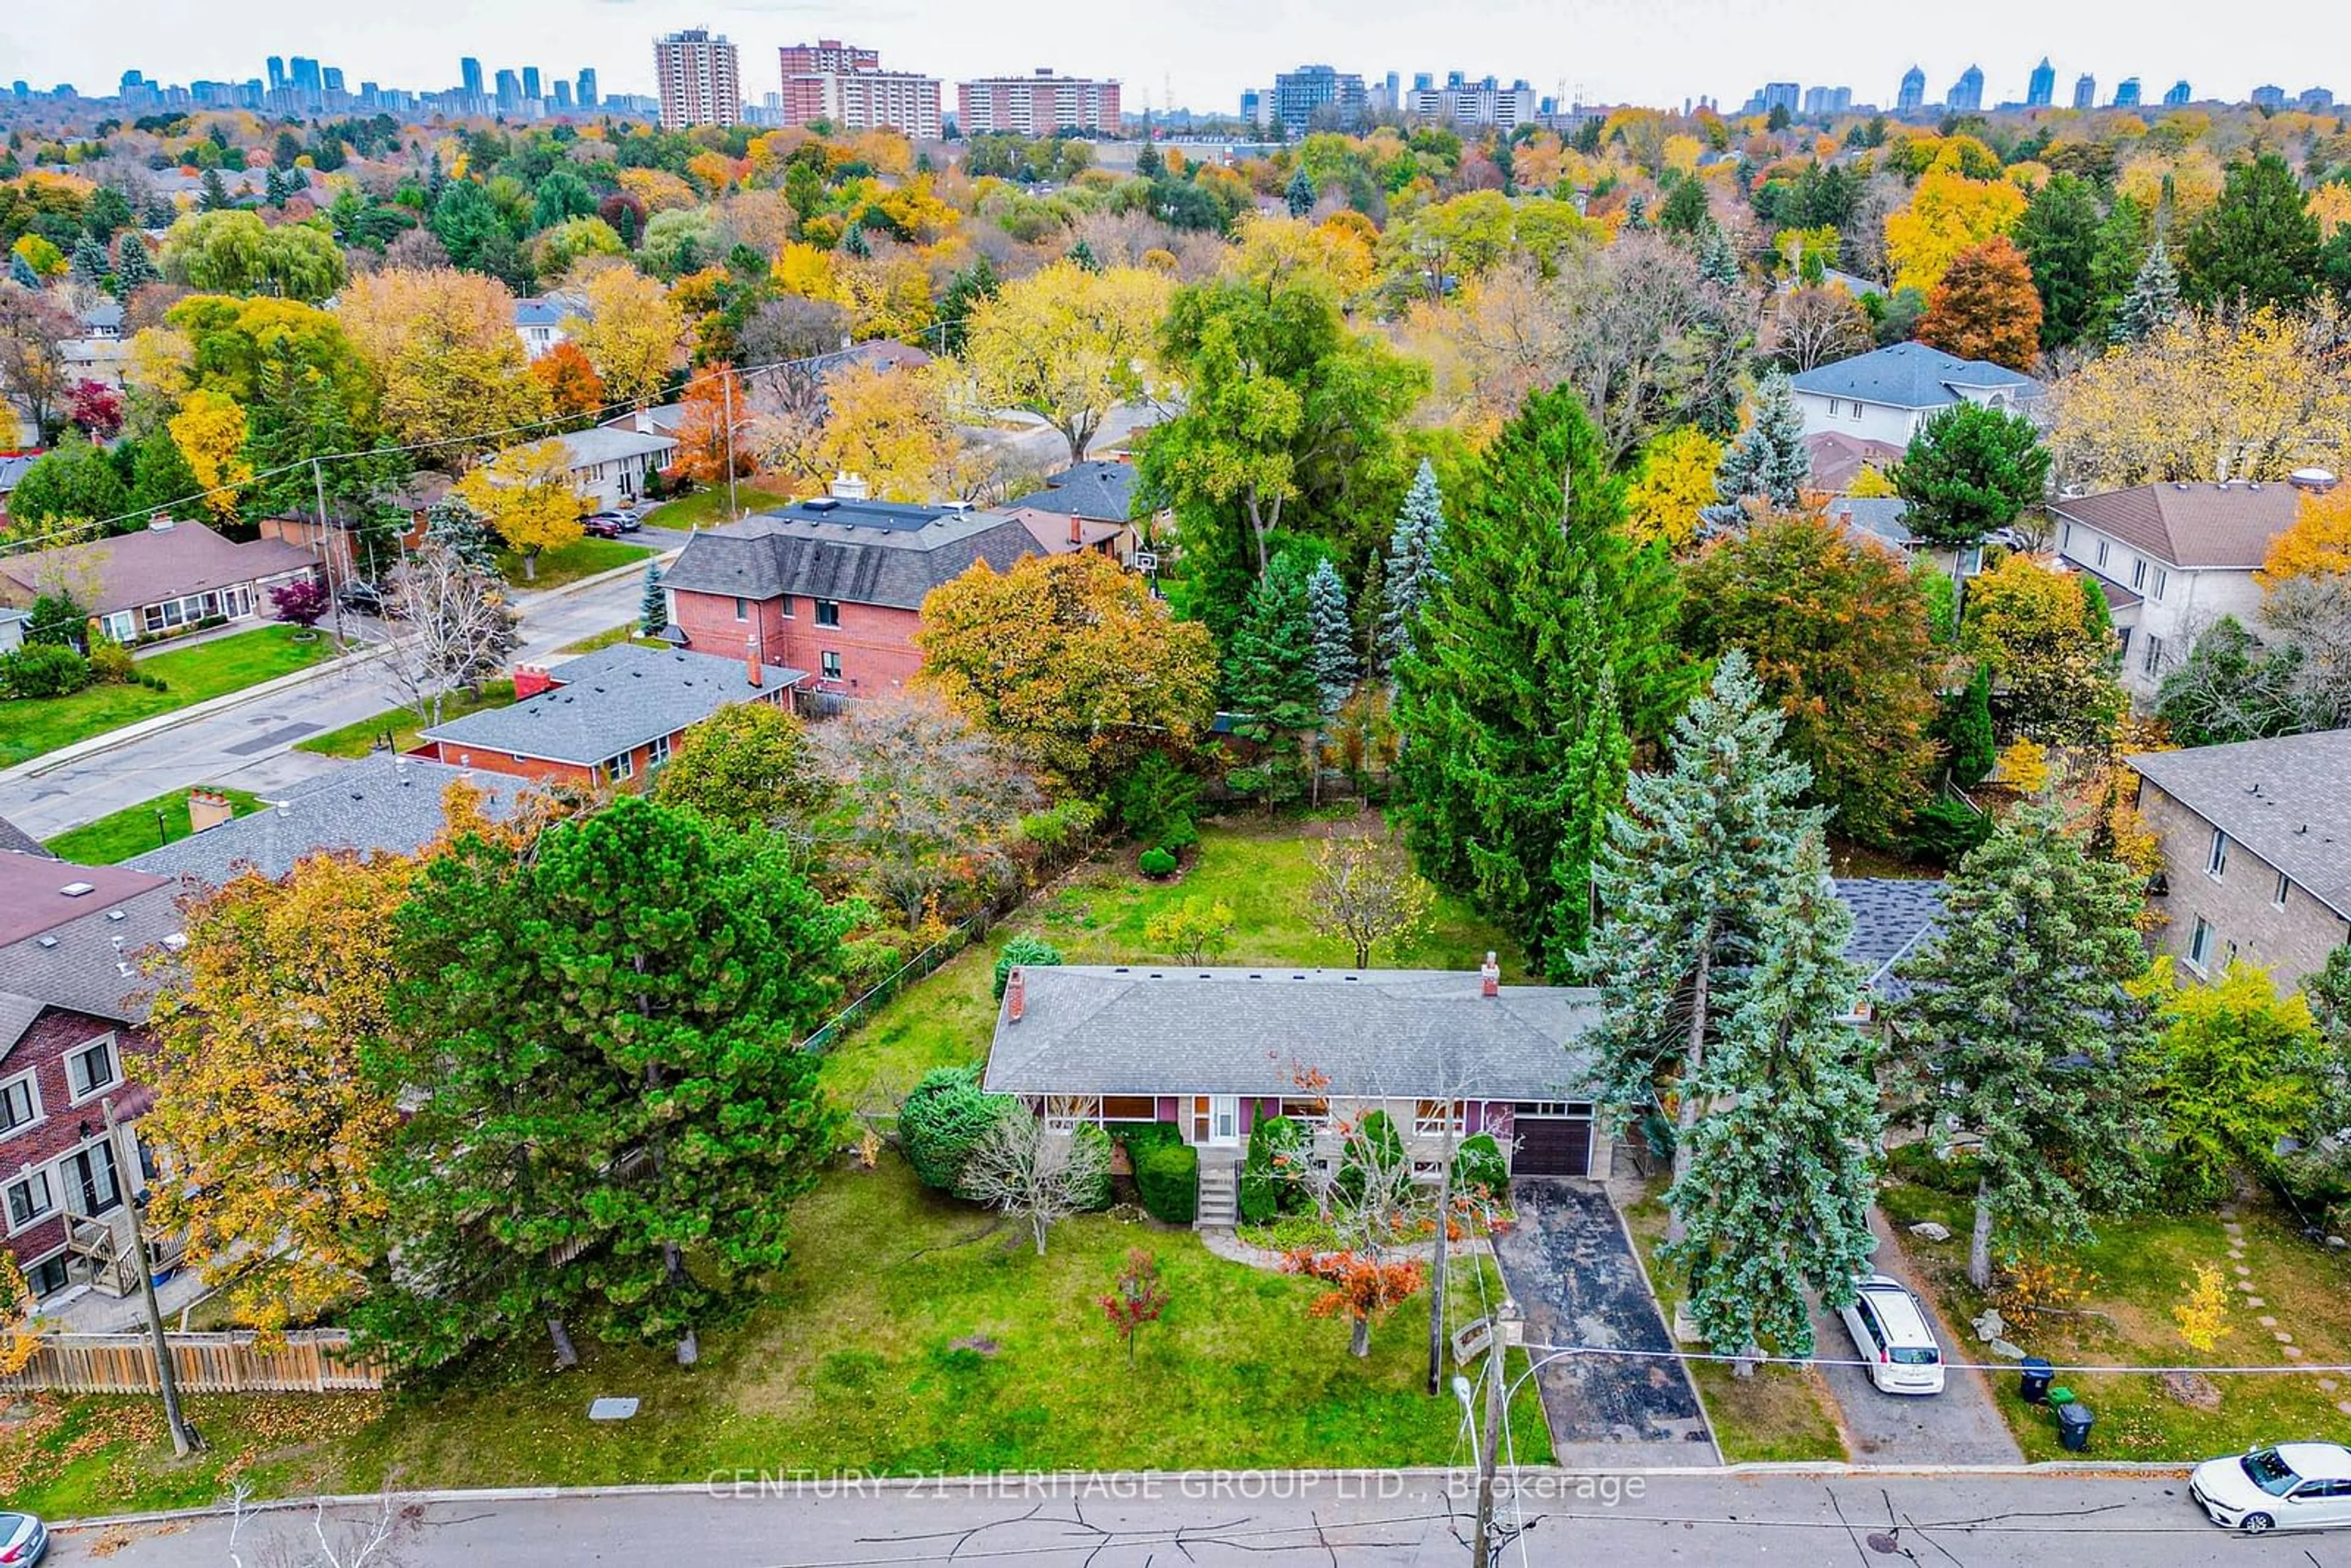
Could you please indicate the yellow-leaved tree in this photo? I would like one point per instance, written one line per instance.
(1949, 213)
(894, 427)
(209, 431)
(441, 345)
(1067, 345)
(1675, 479)
(632, 332)
(2319, 542)
(20, 1330)
(265, 1116)
(525, 494)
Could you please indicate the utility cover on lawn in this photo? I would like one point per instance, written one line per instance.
(610, 1409)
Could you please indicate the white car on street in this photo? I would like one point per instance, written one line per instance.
(1889, 1329)
(2293, 1486)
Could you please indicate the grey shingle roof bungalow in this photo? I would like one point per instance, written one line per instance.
(609, 703)
(823, 556)
(1102, 491)
(1913, 376)
(1892, 919)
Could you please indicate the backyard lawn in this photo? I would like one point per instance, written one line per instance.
(133, 830)
(1779, 1413)
(2139, 1269)
(402, 723)
(581, 558)
(706, 508)
(29, 726)
(611, 638)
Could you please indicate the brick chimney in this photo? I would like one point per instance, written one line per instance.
(1015, 995)
(207, 809)
(1077, 532)
(751, 659)
(1489, 978)
(530, 680)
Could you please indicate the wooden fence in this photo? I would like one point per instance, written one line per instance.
(311, 1360)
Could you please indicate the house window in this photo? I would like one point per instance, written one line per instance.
(1064, 1112)
(90, 1069)
(829, 663)
(2199, 943)
(1434, 1118)
(616, 769)
(2215, 861)
(1312, 1114)
(2162, 582)
(29, 1199)
(742, 607)
(788, 614)
(2101, 552)
(1129, 1108)
(657, 753)
(18, 1103)
(2277, 896)
(49, 1276)
(2065, 537)
(2139, 574)
(2152, 660)
(828, 613)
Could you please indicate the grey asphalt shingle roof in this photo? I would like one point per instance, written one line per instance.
(16, 839)
(612, 701)
(762, 557)
(1892, 917)
(1911, 375)
(81, 963)
(379, 804)
(155, 563)
(2287, 801)
(12, 470)
(604, 444)
(1878, 518)
(2225, 526)
(1101, 491)
(1167, 1030)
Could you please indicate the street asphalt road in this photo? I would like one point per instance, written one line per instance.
(248, 745)
(1288, 1520)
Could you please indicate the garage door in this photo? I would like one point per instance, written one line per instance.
(1550, 1143)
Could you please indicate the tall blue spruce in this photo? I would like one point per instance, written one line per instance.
(1333, 632)
(1412, 569)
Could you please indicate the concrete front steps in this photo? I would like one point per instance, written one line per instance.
(1219, 1199)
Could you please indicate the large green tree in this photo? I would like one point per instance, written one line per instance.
(1970, 469)
(2258, 244)
(1768, 464)
(2027, 1030)
(2059, 236)
(1700, 851)
(75, 481)
(1513, 749)
(601, 1031)
(1775, 1205)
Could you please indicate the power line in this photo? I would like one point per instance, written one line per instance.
(2289, 1369)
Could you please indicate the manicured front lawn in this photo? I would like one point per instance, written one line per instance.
(403, 725)
(706, 507)
(1262, 869)
(612, 638)
(581, 558)
(30, 726)
(1779, 1413)
(132, 831)
(2141, 1267)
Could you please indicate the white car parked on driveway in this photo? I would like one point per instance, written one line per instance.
(2293, 1486)
(1889, 1329)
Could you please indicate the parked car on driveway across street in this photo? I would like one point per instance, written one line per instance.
(601, 526)
(1889, 1328)
(2293, 1486)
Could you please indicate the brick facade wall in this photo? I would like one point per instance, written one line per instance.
(44, 1049)
(2240, 905)
(874, 642)
(514, 766)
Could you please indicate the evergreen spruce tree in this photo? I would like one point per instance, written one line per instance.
(653, 610)
(1768, 462)
(1967, 732)
(854, 243)
(1636, 213)
(1333, 633)
(2026, 1027)
(88, 267)
(214, 196)
(459, 528)
(2059, 235)
(1774, 1206)
(135, 264)
(2258, 244)
(1540, 592)
(1301, 194)
(1412, 572)
(20, 271)
(1717, 262)
(1084, 255)
(1269, 675)
(2153, 301)
(1698, 852)
(273, 189)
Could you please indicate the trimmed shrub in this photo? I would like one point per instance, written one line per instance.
(1944, 831)
(1099, 1198)
(43, 670)
(1169, 1177)
(1155, 799)
(1181, 834)
(1378, 1132)
(1024, 951)
(1156, 864)
(1477, 1163)
(943, 1117)
(1266, 1190)
(112, 663)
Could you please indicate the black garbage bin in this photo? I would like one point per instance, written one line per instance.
(2074, 1423)
(2033, 1385)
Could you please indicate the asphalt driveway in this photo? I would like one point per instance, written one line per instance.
(1961, 1426)
(1571, 1268)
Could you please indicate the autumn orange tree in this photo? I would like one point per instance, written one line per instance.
(1363, 1287)
(711, 424)
(1986, 307)
(263, 1113)
(1070, 661)
(20, 1330)
(574, 389)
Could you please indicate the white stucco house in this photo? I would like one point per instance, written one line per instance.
(2175, 557)
(1888, 394)
(609, 466)
(539, 322)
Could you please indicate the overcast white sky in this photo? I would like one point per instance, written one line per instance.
(1655, 51)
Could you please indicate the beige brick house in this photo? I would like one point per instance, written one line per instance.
(2257, 851)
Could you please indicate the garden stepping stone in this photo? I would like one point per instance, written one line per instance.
(2343, 1405)
(2283, 1337)
(2269, 1323)
(2294, 1352)
(2255, 1302)
(2327, 1385)
(2242, 1271)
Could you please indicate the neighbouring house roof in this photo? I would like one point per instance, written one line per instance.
(155, 563)
(2226, 527)
(1855, 283)
(768, 554)
(861, 512)
(605, 443)
(39, 892)
(17, 1014)
(12, 469)
(889, 356)
(81, 951)
(2117, 596)
(540, 312)
(105, 316)
(1051, 529)
(1912, 375)
(661, 419)
(1877, 518)
(1839, 458)
(15, 839)
(1164, 1029)
(1102, 491)
(2287, 801)
(380, 804)
(611, 701)
(1892, 917)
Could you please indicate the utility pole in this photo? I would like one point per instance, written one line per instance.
(327, 548)
(184, 1439)
(727, 390)
(1508, 1329)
